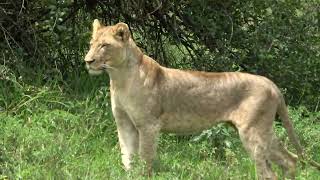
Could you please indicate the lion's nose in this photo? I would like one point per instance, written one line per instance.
(89, 61)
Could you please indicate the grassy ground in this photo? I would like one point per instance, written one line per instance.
(65, 130)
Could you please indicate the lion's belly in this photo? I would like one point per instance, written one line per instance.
(186, 123)
(193, 113)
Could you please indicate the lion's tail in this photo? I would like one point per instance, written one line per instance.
(287, 123)
(282, 111)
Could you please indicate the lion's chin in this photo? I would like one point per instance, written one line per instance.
(95, 72)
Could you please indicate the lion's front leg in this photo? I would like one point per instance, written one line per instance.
(128, 137)
(148, 136)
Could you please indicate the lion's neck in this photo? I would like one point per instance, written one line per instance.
(121, 75)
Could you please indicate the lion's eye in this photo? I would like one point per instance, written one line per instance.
(105, 45)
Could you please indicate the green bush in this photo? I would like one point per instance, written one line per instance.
(277, 39)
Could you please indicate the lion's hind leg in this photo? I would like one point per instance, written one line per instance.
(257, 142)
(283, 158)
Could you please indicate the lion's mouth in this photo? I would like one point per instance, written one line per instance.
(93, 70)
(98, 70)
(89, 67)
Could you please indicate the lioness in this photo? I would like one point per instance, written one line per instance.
(148, 99)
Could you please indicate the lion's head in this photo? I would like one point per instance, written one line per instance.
(108, 47)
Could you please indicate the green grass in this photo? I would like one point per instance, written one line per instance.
(66, 131)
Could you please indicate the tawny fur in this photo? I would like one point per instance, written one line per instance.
(148, 99)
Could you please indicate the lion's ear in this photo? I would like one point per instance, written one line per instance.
(122, 31)
(95, 27)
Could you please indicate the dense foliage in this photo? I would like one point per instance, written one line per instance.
(277, 39)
